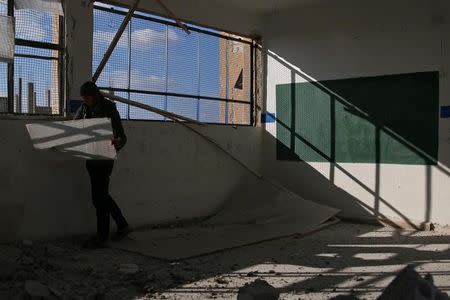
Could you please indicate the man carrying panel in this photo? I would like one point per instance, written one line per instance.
(96, 106)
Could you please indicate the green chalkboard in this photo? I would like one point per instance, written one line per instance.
(385, 119)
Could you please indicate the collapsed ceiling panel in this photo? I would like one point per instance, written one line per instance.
(6, 39)
(53, 6)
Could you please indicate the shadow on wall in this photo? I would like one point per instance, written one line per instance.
(389, 119)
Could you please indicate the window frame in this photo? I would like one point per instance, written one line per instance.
(143, 15)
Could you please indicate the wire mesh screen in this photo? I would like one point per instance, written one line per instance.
(39, 26)
(149, 55)
(37, 78)
(36, 88)
(3, 69)
(3, 87)
(207, 111)
(183, 63)
(204, 75)
(153, 100)
(212, 56)
(122, 108)
(116, 71)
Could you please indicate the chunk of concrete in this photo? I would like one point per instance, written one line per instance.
(258, 290)
(408, 284)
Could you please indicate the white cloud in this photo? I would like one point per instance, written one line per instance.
(145, 36)
(105, 37)
(141, 39)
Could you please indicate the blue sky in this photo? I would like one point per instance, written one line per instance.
(192, 64)
(182, 69)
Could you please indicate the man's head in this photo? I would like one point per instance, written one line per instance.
(90, 93)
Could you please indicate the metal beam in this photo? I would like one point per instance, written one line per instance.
(166, 22)
(35, 44)
(171, 116)
(172, 15)
(115, 40)
(173, 95)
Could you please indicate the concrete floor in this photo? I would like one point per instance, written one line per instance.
(343, 259)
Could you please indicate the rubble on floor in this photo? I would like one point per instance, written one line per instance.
(410, 285)
(319, 266)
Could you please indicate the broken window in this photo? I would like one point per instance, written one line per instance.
(158, 64)
(239, 84)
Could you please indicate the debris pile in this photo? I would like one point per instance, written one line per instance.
(258, 290)
(410, 285)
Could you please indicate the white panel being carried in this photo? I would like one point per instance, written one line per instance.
(6, 39)
(52, 6)
(87, 138)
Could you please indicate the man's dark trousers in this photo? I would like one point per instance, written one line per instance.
(99, 173)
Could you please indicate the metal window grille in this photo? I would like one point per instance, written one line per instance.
(206, 75)
(3, 69)
(33, 83)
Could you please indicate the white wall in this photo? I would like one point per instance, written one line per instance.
(348, 39)
(165, 173)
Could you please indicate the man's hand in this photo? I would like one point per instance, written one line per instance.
(116, 143)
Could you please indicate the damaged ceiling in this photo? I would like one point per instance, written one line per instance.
(245, 17)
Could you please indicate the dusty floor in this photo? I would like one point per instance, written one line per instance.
(343, 259)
